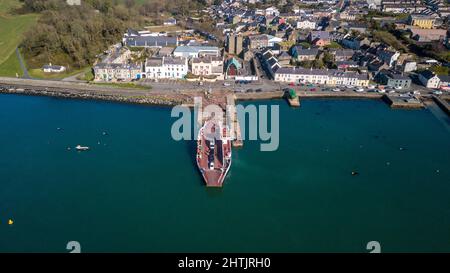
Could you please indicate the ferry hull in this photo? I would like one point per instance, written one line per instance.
(213, 154)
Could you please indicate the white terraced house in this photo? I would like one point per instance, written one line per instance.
(166, 68)
(321, 76)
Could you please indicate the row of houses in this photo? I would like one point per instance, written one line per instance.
(168, 63)
(321, 76)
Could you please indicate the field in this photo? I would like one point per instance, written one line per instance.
(12, 28)
(10, 67)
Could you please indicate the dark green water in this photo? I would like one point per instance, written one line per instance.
(139, 190)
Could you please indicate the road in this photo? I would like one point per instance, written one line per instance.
(22, 65)
(179, 92)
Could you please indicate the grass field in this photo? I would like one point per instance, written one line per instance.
(12, 28)
(10, 67)
(123, 85)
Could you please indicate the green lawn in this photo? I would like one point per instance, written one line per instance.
(10, 67)
(123, 85)
(11, 33)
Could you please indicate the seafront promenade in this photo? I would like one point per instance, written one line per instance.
(157, 96)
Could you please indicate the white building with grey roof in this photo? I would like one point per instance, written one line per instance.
(332, 77)
(166, 68)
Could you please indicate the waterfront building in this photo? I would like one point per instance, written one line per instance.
(117, 72)
(321, 76)
(207, 66)
(429, 79)
(232, 68)
(393, 79)
(444, 82)
(166, 68)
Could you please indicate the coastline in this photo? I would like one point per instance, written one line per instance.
(85, 91)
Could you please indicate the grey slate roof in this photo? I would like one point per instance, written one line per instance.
(151, 41)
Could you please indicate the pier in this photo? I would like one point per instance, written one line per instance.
(292, 98)
(442, 104)
(403, 102)
(233, 121)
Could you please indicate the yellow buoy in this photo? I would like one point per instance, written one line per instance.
(10, 222)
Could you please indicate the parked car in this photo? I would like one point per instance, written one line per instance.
(226, 84)
(250, 90)
(437, 92)
(359, 89)
(416, 92)
(312, 89)
(258, 90)
(336, 90)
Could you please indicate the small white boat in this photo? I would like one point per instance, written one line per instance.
(81, 148)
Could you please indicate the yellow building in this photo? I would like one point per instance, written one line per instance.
(422, 21)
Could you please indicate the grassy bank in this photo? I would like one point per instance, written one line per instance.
(11, 34)
(10, 67)
(123, 85)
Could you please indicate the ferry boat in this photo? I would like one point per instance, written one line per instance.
(214, 153)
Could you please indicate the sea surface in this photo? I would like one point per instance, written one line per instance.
(138, 190)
